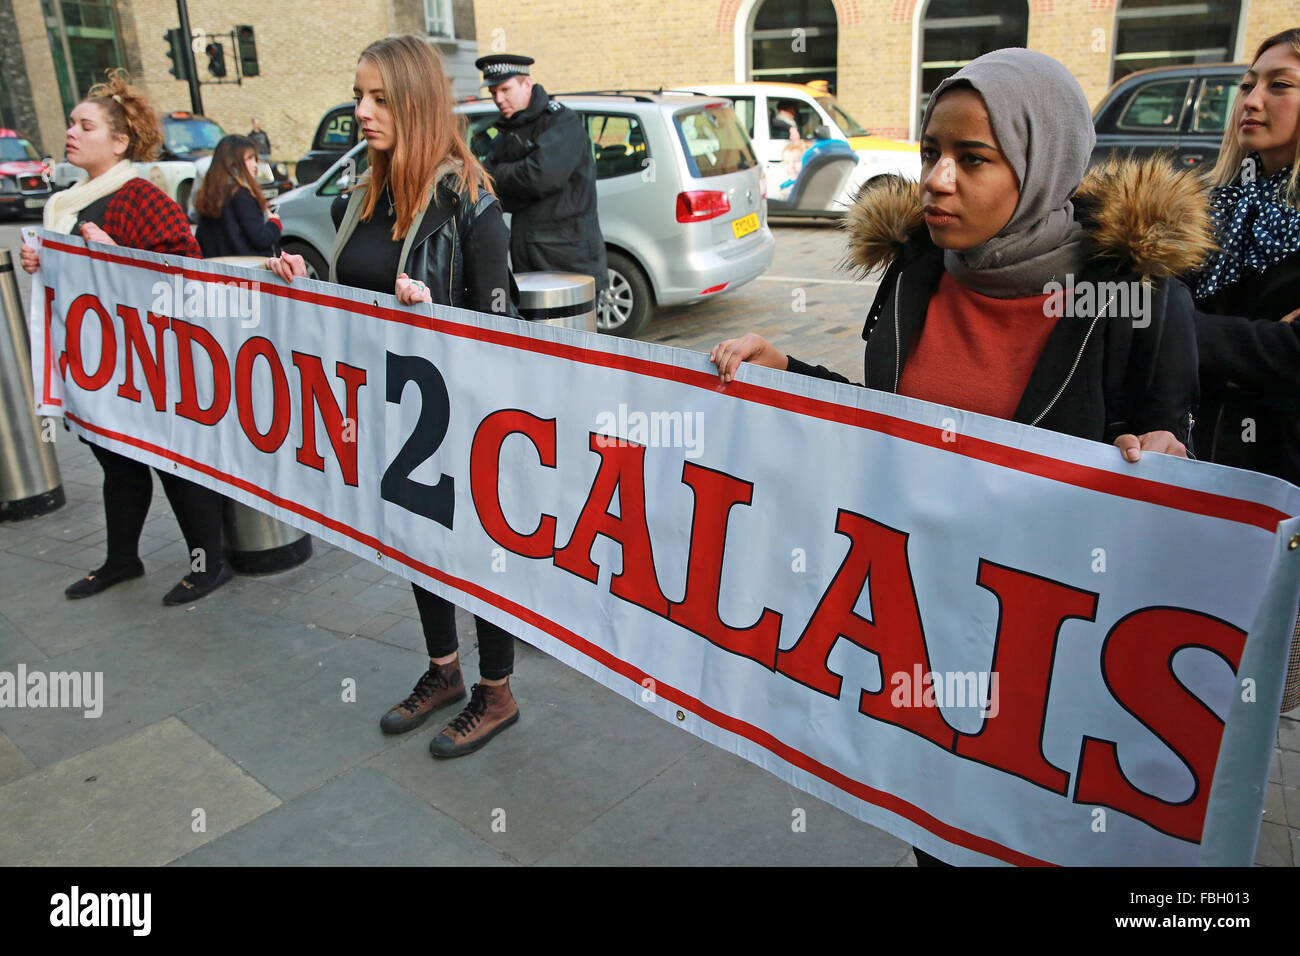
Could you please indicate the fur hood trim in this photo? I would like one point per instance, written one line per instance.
(1145, 214)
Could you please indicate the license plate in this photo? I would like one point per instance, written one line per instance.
(745, 225)
(33, 203)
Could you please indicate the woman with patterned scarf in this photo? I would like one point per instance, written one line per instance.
(1248, 292)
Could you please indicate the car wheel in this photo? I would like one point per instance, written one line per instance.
(626, 306)
(317, 267)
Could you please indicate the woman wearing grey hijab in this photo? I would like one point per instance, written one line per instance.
(1017, 287)
(1014, 285)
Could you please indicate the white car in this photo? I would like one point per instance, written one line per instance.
(757, 104)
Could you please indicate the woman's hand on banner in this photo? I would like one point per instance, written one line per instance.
(411, 291)
(1132, 446)
(31, 259)
(92, 233)
(287, 266)
(750, 347)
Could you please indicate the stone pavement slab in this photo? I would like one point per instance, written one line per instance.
(13, 764)
(577, 750)
(712, 808)
(155, 666)
(359, 819)
(293, 730)
(130, 803)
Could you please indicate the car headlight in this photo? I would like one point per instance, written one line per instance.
(8, 185)
(281, 171)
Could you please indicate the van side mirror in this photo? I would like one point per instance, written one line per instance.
(822, 132)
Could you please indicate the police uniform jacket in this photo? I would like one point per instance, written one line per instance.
(545, 174)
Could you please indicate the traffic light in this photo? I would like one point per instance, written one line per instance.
(176, 52)
(216, 58)
(246, 49)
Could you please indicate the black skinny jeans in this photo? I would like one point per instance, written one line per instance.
(496, 648)
(128, 490)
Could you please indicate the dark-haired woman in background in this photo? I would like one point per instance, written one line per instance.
(234, 218)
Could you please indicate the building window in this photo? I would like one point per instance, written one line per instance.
(438, 19)
(84, 41)
(954, 32)
(1152, 33)
(794, 41)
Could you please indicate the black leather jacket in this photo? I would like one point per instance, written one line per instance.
(458, 249)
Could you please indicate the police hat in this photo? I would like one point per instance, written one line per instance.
(501, 66)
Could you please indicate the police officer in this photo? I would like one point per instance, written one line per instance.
(545, 174)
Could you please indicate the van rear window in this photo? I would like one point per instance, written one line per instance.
(714, 140)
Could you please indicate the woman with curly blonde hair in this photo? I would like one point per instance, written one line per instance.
(111, 129)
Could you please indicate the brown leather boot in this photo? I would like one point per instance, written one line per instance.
(491, 709)
(439, 686)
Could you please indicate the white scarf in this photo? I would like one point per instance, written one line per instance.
(62, 208)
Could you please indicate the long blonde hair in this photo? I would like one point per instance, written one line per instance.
(1231, 153)
(426, 132)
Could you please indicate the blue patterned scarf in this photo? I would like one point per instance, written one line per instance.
(1256, 227)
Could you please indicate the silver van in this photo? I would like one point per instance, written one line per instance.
(680, 193)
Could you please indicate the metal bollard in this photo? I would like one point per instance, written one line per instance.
(256, 543)
(29, 472)
(565, 299)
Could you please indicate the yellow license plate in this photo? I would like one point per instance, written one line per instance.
(745, 225)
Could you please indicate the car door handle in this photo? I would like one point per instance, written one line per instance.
(1191, 159)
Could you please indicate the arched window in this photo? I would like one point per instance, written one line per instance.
(1157, 33)
(954, 32)
(793, 41)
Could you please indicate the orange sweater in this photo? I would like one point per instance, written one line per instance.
(976, 352)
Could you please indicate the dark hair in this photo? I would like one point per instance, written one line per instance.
(226, 175)
(129, 114)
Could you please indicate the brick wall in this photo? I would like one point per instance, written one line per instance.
(590, 44)
(308, 49)
(307, 59)
(18, 90)
(583, 44)
(35, 44)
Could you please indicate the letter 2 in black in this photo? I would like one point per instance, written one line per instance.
(437, 502)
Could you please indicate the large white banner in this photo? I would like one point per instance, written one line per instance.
(998, 643)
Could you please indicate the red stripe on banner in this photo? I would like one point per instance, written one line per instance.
(1105, 482)
(798, 758)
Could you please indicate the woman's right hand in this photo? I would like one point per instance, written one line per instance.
(31, 259)
(750, 347)
(287, 266)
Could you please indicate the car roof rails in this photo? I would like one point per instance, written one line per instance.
(640, 95)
